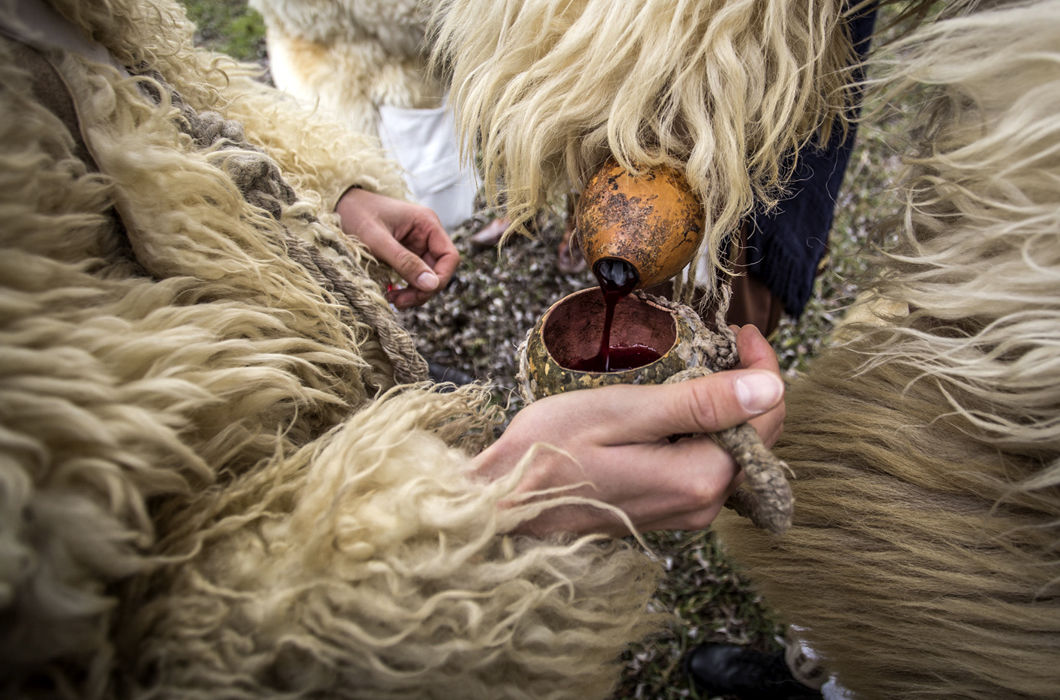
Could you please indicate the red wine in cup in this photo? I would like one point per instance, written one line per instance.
(617, 278)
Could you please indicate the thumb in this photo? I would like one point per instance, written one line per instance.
(704, 405)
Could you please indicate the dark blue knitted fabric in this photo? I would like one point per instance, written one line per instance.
(785, 246)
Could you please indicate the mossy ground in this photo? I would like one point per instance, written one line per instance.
(228, 26)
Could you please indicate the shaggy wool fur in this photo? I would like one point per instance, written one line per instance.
(723, 90)
(349, 56)
(209, 484)
(924, 554)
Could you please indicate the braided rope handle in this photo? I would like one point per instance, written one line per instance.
(765, 496)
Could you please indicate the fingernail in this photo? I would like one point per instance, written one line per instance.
(758, 391)
(427, 281)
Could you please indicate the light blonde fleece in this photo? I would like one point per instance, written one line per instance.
(923, 559)
(401, 581)
(724, 90)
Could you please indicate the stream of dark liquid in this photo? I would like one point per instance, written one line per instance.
(617, 278)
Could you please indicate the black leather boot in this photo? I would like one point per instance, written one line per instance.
(726, 669)
(441, 373)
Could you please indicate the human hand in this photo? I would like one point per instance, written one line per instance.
(613, 442)
(408, 237)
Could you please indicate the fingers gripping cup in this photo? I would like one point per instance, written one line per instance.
(652, 341)
(638, 229)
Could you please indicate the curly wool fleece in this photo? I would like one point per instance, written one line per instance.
(209, 485)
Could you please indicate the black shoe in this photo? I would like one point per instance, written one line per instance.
(440, 373)
(725, 669)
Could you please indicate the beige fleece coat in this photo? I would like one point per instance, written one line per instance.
(347, 57)
(925, 548)
(215, 478)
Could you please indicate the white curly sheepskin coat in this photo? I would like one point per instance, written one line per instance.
(350, 56)
(365, 63)
(211, 484)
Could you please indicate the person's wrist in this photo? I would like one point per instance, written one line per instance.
(352, 189)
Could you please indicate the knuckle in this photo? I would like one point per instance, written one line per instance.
(425, 216)
(704, 490)
(432, 216)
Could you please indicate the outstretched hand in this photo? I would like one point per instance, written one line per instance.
(616, 441)
(408, 237)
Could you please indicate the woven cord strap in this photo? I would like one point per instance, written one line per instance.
(398, 345)
(262, 184)
(765, 496)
